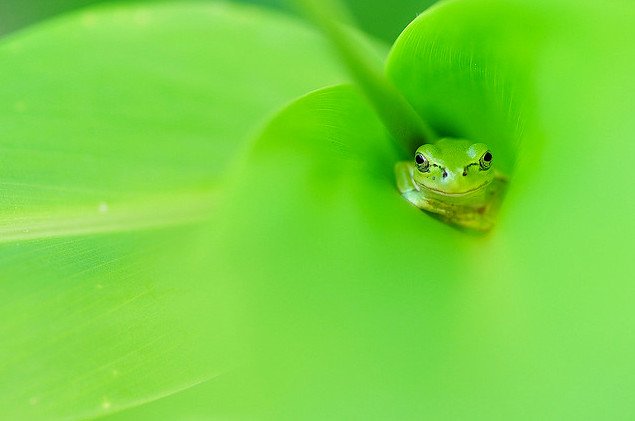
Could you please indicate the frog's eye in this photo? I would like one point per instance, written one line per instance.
(486, 160)
(422, 162)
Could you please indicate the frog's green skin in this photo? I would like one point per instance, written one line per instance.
(455, 179)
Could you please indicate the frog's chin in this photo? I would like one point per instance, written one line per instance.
(454, 194)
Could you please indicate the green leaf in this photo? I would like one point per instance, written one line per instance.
(117, 126)
(365, 307)
(345, 301)
(340, 270)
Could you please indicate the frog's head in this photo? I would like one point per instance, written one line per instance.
(453, 167)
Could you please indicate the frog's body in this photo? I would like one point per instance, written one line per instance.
(454, 179)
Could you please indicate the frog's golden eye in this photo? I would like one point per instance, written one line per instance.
(422, 163)
(486, 160)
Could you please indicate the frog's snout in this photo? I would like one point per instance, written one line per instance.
(452, 181)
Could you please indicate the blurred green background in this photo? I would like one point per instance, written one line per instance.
(382, 19)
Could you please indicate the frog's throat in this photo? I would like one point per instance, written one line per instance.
(444, 193)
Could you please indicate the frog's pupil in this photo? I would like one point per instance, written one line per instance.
(487, 157)
(419, 159)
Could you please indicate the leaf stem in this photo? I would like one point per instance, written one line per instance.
(407, 128)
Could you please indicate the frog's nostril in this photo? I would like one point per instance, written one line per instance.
(445, 173)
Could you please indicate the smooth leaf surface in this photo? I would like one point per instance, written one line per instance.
(365, 307)
(333, 265)
(547, 83)
(348, 302)
(314, 234)
(117, 124)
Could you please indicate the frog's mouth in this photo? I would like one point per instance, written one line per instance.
(457, 194)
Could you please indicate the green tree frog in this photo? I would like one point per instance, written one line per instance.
(454, 179)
